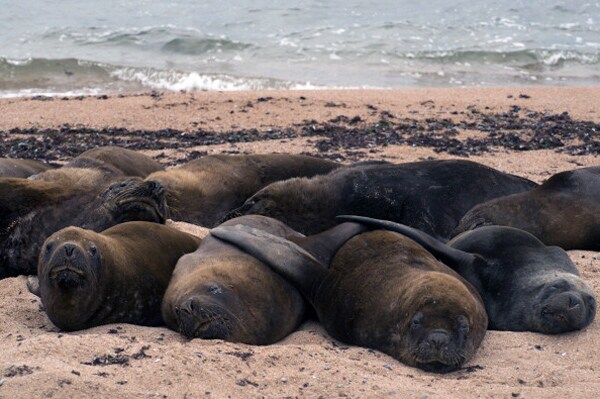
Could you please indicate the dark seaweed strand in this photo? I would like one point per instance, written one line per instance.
(516, 129)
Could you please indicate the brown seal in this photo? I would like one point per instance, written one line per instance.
(380, 290)
(127, 162)
(21, 167)
(106, 164)
(31, 210)
(432, 196)
(88, 279)
(525, 285)
(204, 190)
(221, 292)
(564, 211)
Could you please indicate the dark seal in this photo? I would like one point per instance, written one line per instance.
(432, 196)
(221, 292)
(525, 285)
(88, 279)
(564, 211)
(378, 290)
(203, 191)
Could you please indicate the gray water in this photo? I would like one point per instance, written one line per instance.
(84, 46)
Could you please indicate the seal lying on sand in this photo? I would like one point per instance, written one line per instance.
(382, 291)
(432, 196)
(108, 162)
(21, 167)
(88, 279)
(31, 210)
(221, 292)
(564, 211)
(204, 190)
(525, 285)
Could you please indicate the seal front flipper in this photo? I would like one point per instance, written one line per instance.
(325, 245)
(33, 285)
(450, 256)
(287, 258)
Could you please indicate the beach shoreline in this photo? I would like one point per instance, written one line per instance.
(403, 125)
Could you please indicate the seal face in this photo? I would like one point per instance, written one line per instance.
(525, 285)
(31, 210)
(87, 279)
(221, 292)
(422, 314)
(564, 211)
(203, 191)
(432, 196)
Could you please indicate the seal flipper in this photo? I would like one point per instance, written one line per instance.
(452, 257)
(285, 257)
(325, 245)
(33, 285)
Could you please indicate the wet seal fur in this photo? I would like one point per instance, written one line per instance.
(31, 210)
(564, 211)
(221, 292)
(525, 285)
(432, 195)
(21, 167)
(377, 289)
(203, 191)
(88, 279)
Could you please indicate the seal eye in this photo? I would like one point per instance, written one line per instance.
(463, 324)
(214, 289)
(477, 224)
(48, 248)
(93, 250)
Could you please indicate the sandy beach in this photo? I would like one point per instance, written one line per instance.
(532, 132)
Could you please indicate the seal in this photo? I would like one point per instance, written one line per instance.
(221, 292)
(564, 211)
(377, 289)
(525, 285)
(432, 196)
(127, 162)
(102, 165)
(21, 167)
(87, 279)
(204, 190)
(31, 210)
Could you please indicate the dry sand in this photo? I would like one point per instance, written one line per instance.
(37, 360)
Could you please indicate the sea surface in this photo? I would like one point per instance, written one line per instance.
(91, 47)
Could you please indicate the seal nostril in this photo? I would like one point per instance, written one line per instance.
(69, 249)
(439, 338)
(573, 302)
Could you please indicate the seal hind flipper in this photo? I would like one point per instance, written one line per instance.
(325, 245)
(287, 258)
(33, 285)
(450, 256)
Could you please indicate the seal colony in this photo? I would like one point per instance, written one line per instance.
(412, 307)
(564, 211)
(92, 231)
(203, 191)
(431, 195)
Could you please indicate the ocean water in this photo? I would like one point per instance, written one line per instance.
(89, 47)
